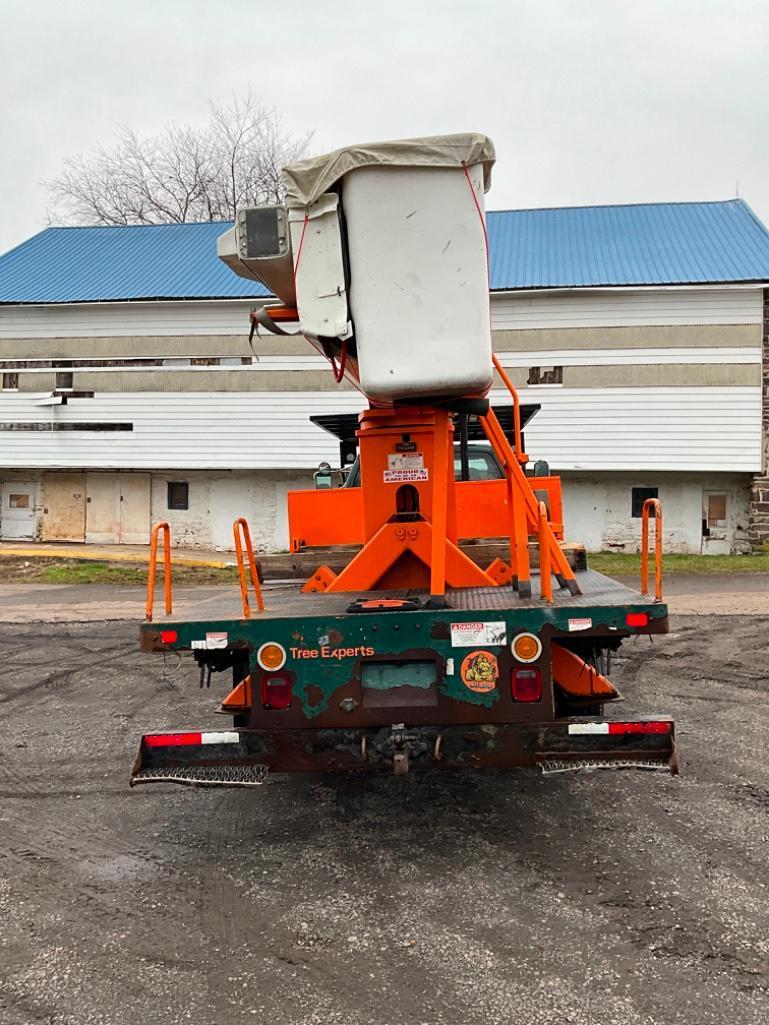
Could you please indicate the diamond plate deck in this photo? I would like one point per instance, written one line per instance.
(286, 600)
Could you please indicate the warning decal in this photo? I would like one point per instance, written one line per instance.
(580, 624)
(470, 635)
(405, 461)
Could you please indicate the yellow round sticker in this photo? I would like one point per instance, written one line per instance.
(479, 671)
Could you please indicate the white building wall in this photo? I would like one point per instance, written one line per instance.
(597, 509)
(115, 320)
(246, 449)
(540, 309)
(680, 428)
(627, 307)
(217, 500)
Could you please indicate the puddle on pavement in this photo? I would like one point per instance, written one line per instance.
(121, 868)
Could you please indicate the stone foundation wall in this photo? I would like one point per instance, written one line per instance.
(758, 530)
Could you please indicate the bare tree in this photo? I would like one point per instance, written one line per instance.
(182, 174)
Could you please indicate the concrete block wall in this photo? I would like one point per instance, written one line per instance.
(217, 499)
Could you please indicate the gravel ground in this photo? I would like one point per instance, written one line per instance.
(501, 897)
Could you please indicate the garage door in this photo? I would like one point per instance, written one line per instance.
(102, 512)
(63, 507)
(134, 509)
(118, 508)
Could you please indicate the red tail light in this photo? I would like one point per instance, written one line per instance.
(526, 684)
(168, 636)
(276, 691)
(637, 619)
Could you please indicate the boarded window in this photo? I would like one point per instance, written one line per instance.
(716, 510)
(10, 382)
(639, 496)
(18, 501)
(178, 494)
(545, 375)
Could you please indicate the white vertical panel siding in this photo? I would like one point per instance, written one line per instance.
(716, 428)
(579, 308)
(623, 308)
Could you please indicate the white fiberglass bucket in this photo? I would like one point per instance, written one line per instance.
(419, 294)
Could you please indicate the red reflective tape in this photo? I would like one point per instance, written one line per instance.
(168, 636)
(639, 727)
(637, 619)
(172, 739)
(658, 727)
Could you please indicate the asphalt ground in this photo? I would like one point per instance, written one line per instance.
(496, 897)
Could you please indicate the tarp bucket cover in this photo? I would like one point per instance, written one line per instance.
(308, 179)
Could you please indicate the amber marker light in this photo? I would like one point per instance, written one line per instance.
(271, 656)
(527, 647)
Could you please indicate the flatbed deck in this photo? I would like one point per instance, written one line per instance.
(357, 677)
(286, 600)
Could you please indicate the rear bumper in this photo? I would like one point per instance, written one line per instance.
(243, 757)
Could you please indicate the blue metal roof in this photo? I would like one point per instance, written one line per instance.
(563, 247)
(154, 261)
(642, 244)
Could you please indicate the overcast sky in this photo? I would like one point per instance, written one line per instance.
(587, 102)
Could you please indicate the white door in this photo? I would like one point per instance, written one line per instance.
(134, 509)
(715, 519)
(230, 499)
(584, 513)
(17, 512)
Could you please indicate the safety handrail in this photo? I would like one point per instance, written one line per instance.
(517, 524)
(153, 568)
(520, 455)
(649, 504)
(243, 536)
(545, 564)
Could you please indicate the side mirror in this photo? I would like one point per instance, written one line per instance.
(324, 477)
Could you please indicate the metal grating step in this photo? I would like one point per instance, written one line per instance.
(205, 775)
(553, 766)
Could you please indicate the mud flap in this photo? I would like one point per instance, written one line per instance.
(243, 758)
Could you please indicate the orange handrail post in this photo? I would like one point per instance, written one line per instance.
(153, 567)
(520, 455)
(649, 504)
(243, 536)
(518, 527)
(545, 568)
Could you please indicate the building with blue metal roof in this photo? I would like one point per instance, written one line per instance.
(643, 244)
(130, 392)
